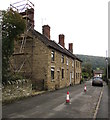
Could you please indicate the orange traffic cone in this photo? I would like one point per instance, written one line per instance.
(67, 98)
(85, 88)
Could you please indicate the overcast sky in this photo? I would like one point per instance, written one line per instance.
(83, 22)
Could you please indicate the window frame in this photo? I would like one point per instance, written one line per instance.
(67, 61)
(72, 75)
(72, 63)
(52, 71)
(62, 58)
(62, 73)
(52, 55)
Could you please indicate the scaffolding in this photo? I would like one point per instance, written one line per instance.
(21, 61)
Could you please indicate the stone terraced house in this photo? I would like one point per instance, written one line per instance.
(53, 63)
(36, 57)
(48, 61)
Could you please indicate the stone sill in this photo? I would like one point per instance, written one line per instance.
(53, 80)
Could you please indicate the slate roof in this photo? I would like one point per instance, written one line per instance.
(54, 45)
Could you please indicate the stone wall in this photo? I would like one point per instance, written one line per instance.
(40, 63)
(58, 66)
(15, 90)
(37, 63)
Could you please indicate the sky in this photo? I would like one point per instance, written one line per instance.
(83, 22)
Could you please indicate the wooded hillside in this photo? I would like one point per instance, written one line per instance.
(95, 61)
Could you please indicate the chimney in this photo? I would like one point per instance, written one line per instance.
(46, 31)
(28, 15)
(61, 40)
(71, 47)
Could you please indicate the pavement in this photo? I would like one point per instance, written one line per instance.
(0, 101)
(104, 107)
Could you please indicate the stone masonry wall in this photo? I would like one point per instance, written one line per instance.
(77, 72)
(40, 62)
(16, 90)
(58, 83)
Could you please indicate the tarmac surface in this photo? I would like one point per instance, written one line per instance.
(53, 104)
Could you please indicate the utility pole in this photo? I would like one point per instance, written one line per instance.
(107, 67)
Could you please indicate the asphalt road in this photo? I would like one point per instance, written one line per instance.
(53, 104)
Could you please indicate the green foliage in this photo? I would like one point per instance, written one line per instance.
(91, 63)
(88, 68)
(85, 75)
(95, 61)
(12, 26)
(86, 71)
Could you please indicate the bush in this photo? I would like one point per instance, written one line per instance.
(82, 80)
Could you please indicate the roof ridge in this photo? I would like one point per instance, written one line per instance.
(53, 44)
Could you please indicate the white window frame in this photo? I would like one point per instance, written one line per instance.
(62, 58)
(67, 61)
(72, 63)
(72, 75)
(52, 55)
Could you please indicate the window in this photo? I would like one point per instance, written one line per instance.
(67, 61)
(62, 58)
(53, 55)
(76, 75)
(52, 73)
(80, 75)
(62, 73)
(80, 65)
(72, 63)
(76, 64)
(72, 75)
(67, 73)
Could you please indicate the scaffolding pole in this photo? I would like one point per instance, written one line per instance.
(26, 9)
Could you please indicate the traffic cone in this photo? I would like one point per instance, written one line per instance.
(85, 88)
(67, 98)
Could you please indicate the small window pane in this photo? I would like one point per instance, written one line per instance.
(72, 75)
(62, 58)
(62, 73)
(67, 61)
(52, 73)
(52, 55)
(72, 63)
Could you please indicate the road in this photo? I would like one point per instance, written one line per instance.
(53, 104)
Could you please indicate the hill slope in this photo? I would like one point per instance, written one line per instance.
(95, 61)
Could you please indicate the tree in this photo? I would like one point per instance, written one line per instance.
(87, 70)
(12, 25)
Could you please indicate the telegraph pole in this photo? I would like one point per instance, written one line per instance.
(107, 67)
